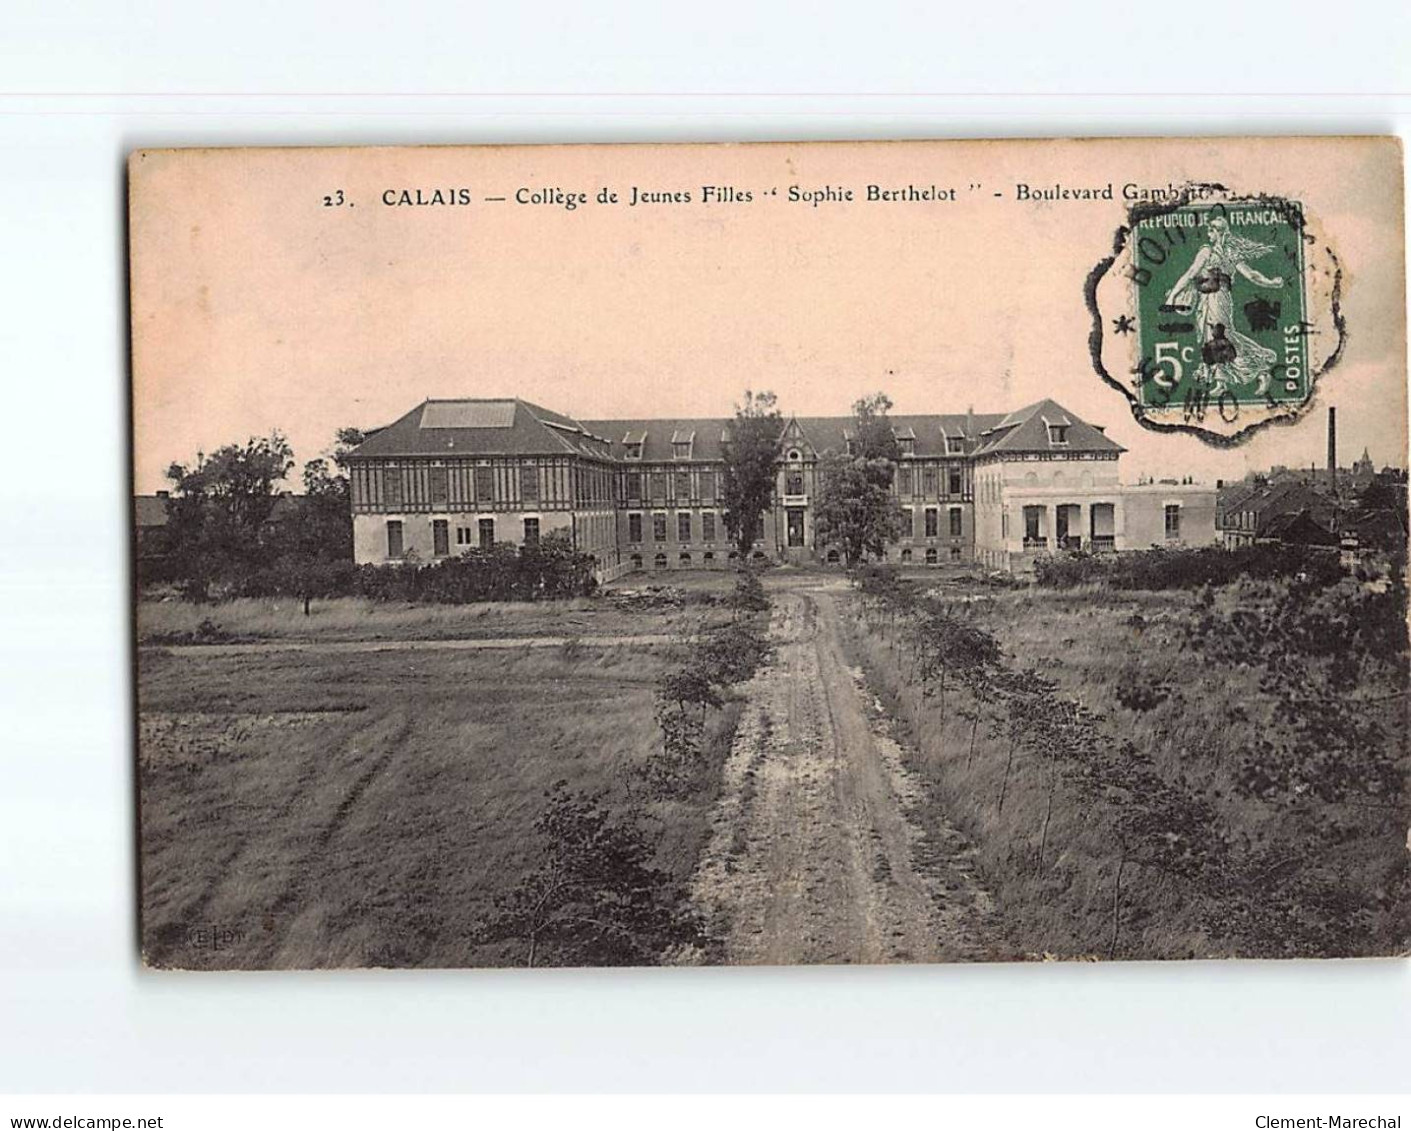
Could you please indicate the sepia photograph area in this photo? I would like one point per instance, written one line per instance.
(683, 555)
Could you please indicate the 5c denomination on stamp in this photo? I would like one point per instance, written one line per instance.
(1216, 313)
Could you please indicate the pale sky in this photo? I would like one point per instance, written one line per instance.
(256, 307)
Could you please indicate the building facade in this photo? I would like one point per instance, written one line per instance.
(645, 494)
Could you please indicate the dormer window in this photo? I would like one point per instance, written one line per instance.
(955, 446)
(681, 444)
(907, 444)
(1058, 433)
(634, 451)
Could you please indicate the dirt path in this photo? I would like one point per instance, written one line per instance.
(815, 855)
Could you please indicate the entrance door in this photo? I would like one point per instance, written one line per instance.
(795, 519)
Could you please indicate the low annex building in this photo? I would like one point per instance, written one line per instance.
(645, 494)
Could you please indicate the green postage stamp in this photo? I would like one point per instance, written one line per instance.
(1221, 313)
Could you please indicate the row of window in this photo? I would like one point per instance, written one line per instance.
(684, 558)
(656, 483)
(683, 527)
(438, 485)
(929, 480)
(482, 535)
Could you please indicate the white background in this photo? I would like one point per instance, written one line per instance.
(85, 83)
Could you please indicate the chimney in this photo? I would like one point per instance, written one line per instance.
(1332, 447)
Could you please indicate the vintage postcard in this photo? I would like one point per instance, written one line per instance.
(771, 554)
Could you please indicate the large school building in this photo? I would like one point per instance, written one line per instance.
(645, 494)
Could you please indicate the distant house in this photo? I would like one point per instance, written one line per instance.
(1250, 513)
(149, 524)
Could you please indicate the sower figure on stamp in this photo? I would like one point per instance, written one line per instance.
(1228, 358)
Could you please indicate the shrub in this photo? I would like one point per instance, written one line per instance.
(1188, 568)
(550, 569)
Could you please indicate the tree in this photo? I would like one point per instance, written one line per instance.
(220, 509)
(855, 509)
(594, 899)
(875, 438)
(747, 483)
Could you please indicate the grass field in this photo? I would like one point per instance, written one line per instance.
(616, 613)
(339, 810)
(1126, 657)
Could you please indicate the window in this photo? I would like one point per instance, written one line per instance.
(634, 450)
(954, 446)
(683, 485)
(636, 561)
(685, 559)
(907, 444)
(708, 526)
(529, 483)
(659, 528)
(904, 480)
(851, 446)
(531, 531)
(932, 522)
(440, 537)
(658, 483)
(438, 486)
(707, 482)
(955, 522)
(906, 555)
(659, 562)
(394, 539)
(1058, 433)
(955, 553)
(484, 484)
(634, 485)
(931, 557)
(929, 486)
(1173, 520)
(1033, 536)
(392, 488)
(634, 528)
(953, 481)
(487, 533)
(793, 483)
(683, 527)
(681, 449)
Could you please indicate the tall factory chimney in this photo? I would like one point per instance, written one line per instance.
(1332, 447)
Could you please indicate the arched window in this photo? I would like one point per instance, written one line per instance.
(832, 557)
(659, 562)
(906, 555)
(931, 555)
(685, 558)
(636, 561)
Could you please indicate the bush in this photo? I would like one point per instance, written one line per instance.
(748, 594)
(1188, 568)
(550, 569)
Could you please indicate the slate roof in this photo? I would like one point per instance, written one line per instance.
(1026, 430)
(480, 426)
(655, 436)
